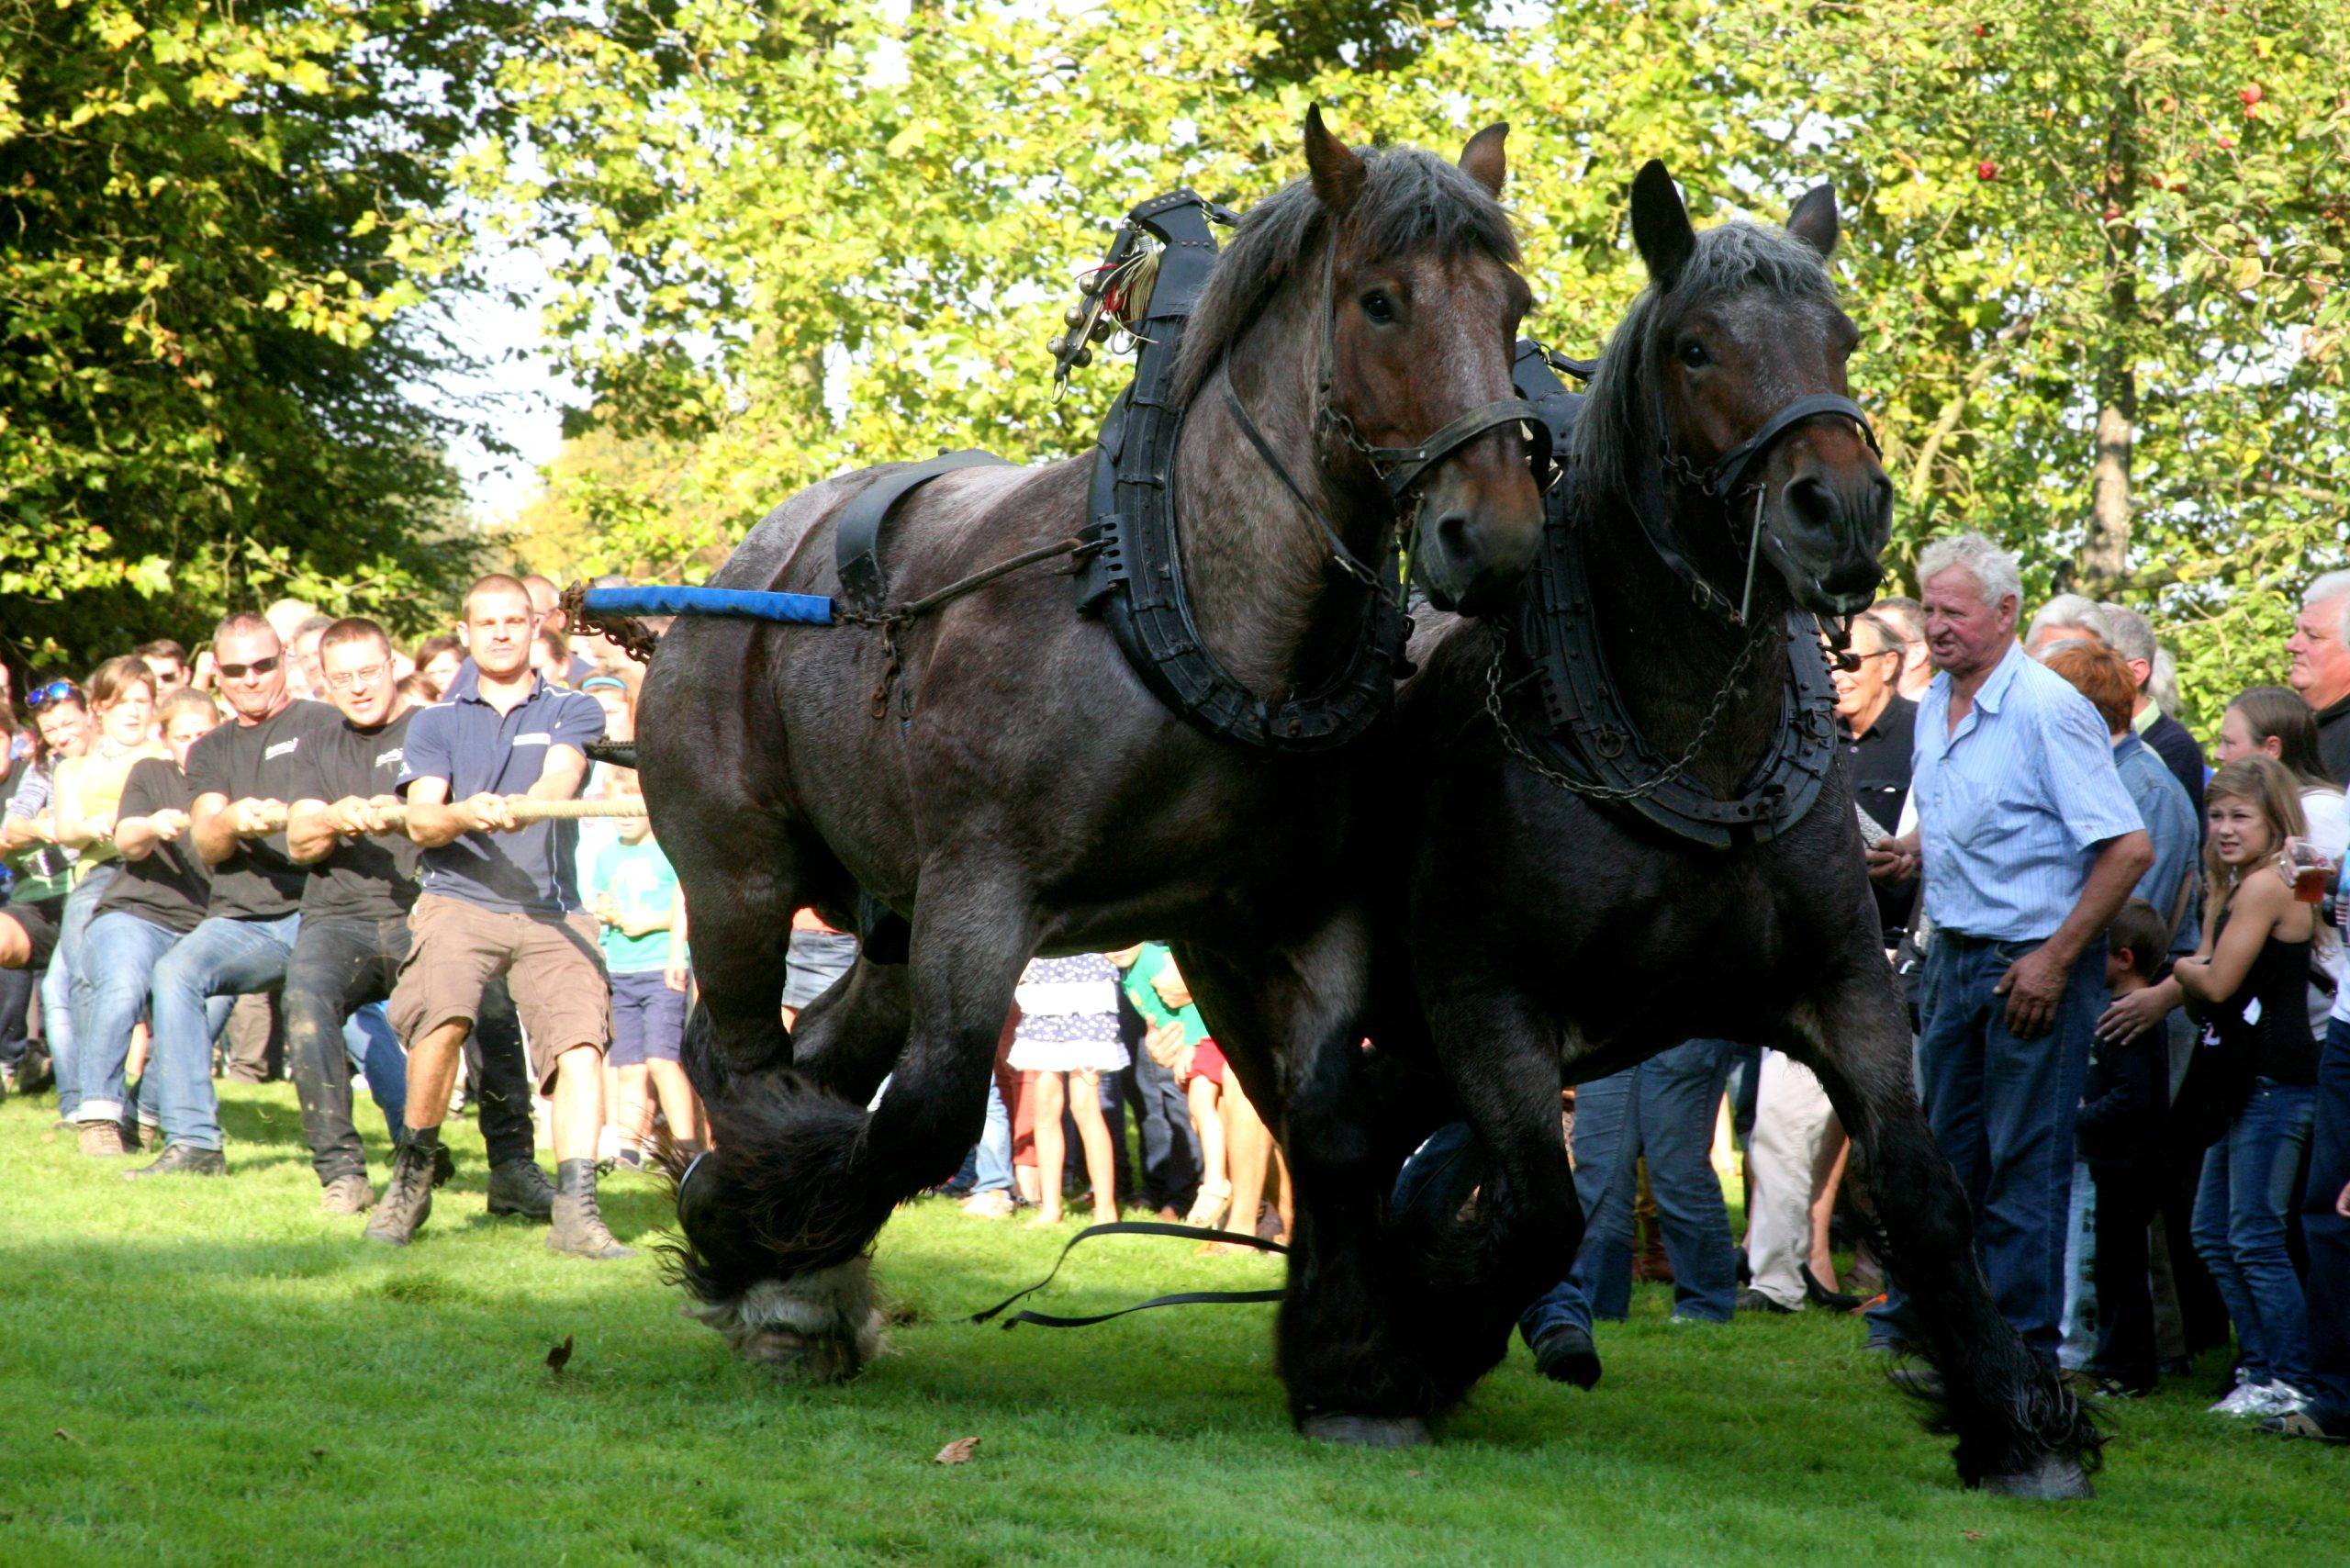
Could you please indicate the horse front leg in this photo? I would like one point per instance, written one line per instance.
(779, 1216)
(2021, 1431)
(1291, 1022)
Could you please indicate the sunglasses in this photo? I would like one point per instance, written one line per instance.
(55, 691)
(259, 666)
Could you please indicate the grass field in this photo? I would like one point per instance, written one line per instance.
(214, 1371)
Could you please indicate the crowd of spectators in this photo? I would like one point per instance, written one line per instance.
(2123, 969)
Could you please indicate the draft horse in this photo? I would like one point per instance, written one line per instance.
(1027, 791)
(1633, 824)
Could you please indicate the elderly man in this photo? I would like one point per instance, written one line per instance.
(2029, 843)
(241, 774)
(2133, 639)
(1908, 619)
(2321, 670)
(2067, 618)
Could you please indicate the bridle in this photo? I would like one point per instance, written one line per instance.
(1401, 469)
(1726, 478)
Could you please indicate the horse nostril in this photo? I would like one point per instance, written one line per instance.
(1454, 541)
(1809, 501)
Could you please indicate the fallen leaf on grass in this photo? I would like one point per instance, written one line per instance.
(318, 1454)
(64, 1436)
(560, 1355)
(959, 1451)
(1974, 1534)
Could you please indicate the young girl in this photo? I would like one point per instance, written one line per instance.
(630, 889)
(1069, 1024)
(1177, 1040)
(2252, 975)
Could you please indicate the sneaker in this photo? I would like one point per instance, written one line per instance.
(101, 1140)
(995, 1205)
(347, 1195)
(182, 1159)
(2279, 1398)
(2239, 1400)
(407, 1201)
(1751, 1300)
(519, 1187)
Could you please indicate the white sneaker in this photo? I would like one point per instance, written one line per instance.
(2238, 1401)
(2280, 1398)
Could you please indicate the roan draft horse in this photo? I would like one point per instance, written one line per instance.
(1026, 792)
(1633, 827)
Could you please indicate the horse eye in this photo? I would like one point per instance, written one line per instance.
(1378, 307)
(1692, 354)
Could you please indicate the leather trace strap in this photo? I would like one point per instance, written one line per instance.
(1135, 1227)
(1586, 741)
(1132, 571)
(856, 537)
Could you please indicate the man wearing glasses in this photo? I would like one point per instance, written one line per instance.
(243, 773)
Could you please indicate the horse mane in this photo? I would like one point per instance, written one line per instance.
(1410, 200)
(1617, 429)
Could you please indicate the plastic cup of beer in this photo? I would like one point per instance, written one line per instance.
(2312, 870)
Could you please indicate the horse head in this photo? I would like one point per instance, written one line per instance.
(1741, 350)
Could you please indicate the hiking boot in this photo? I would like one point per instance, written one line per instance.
(1565, 1354)
(1752, 1300)
(444, 1164)
(34, 1071)
(407, 1200)
(101, 1140)
(180, 1159)
(347, 1195)
(141, 1135)
(579, 1229)
(519, 1187)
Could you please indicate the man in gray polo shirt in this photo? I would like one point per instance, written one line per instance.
(499, 898)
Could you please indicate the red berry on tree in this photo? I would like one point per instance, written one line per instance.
(2252, 95)
(1986, 170)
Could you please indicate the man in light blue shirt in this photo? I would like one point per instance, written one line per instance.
(2029, 843)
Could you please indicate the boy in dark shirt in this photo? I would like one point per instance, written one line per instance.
(2120, 1134)
(158, 897)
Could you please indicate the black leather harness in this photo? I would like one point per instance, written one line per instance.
(1587, 742)
(1133, 575)
(856, 537)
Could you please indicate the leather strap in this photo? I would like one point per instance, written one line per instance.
(1726, 476)
(1136, 1227)
(856, 537)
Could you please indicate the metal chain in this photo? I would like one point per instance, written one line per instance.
(1611, 792)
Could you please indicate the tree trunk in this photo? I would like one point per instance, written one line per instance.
(2105, 553)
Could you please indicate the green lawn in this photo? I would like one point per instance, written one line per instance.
(215, 1372)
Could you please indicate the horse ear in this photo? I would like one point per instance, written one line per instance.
(1485, 161)
(1661, 224)
(1338, 173)
(1814, 219)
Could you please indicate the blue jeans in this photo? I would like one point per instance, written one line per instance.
(991, 1160)
(2002, 1108)
(2248, 1187)
(56, 986)
(1664, 1109)
(2327, 1378)
(109, 995)
(374, 1052)
(220, 958)
(1437, 1178)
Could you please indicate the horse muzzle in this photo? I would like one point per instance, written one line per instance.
(1826, 534)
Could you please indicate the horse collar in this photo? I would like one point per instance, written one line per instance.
(1132, 575)
(1588, 741)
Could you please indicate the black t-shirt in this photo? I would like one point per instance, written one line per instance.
(2334, 739)
(2172, 743)
(372, 878)
(257, 761)
(1881, 761)
(172, 885)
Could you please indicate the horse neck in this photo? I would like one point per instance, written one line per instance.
(1670, 655)
(1268, 602)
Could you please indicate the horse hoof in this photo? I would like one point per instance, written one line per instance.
(817, 1327)
(1366, 1431)
(2055, 1479)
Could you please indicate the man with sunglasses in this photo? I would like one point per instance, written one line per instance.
(242, 775)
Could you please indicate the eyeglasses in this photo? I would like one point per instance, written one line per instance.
(259, 666)
(55, 691)
(352, 680)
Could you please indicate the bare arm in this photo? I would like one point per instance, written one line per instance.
(433, 820)
(2254, 914)
(214, 828)
(678, 971)
(559, 778)
(311, 832)
(135, 838)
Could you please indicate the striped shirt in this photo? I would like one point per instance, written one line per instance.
(2012, 807)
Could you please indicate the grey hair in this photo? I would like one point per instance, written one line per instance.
(2332, 585)
(1618, 431)
(2163, 685)
(2133, 635)
(1996, 574)
(1411, 200)
(2072, 610)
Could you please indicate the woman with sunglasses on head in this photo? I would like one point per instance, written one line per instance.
(89, 794)
(44, 871)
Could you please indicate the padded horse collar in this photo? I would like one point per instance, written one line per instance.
(1588, 741)
(1132, 573)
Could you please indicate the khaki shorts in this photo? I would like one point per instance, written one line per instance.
(552, 965)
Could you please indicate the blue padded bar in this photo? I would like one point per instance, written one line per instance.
(805, 608)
